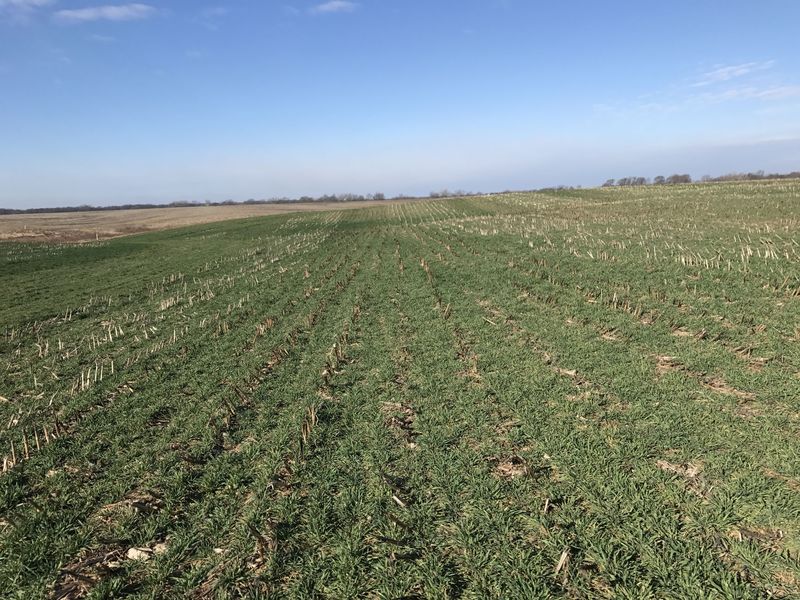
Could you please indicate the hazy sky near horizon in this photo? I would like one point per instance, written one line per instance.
(158, 101)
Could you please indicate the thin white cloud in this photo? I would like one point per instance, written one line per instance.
(23, 4)
(742, 93)
(333, 6)
(727, 72)
(213, 12)
(745, 82)
(780, 92)
(750, 92)
(211, 16)
(21, 10)
(102, 39)
(117, 12)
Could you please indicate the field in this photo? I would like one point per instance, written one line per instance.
(81, 226)
(581, 394)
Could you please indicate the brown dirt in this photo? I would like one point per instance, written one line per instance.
(509, 467)
(715, 384)
(82, 226)
(666, 364)
(611, 335)
(400, 419)
(689, 470)
(790, 482)
(760, 535)
(691, 473)
(788, 584)
(681, 332)
(77, 578)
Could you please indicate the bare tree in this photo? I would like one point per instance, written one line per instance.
(672, 179)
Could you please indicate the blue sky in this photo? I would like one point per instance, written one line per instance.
(159, 101)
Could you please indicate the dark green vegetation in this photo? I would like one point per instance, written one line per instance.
(585, 394)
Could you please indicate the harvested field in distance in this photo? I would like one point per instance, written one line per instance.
(580, 394)
(81, 226)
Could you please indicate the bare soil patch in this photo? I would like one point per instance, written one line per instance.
(82, 226)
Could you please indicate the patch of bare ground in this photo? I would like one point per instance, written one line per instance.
(611, 335)
(509, 467)
(787, 585)
(84, 226)
(400, 419)
(571, 373)
(790, 482)
(78, 577)
(667, 364)
(671, 364)
(681, 332)
(136, 501)
(691, 474)
(647, 319)
(745, 410)
(756, 365)
(766, 538)
(718, 385)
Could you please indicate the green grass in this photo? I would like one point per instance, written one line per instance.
(582, 394)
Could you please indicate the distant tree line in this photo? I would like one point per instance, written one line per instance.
(334, 198)
(755, 176)
(379, 196)
(183, 203)
(658, 180)
(445, 193)
(684, 178)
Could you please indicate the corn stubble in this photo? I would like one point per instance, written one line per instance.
(578, 393)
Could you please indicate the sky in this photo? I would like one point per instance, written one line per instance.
(159, 101)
